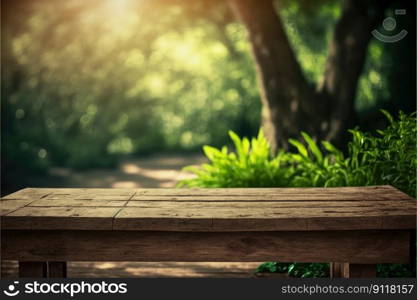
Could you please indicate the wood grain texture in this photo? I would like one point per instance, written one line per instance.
(78, 203)
(28, 194)
(8, 205)
(100, 218)
(232, 219)
(267, 191)
(336, 270)
(302, 196)
(361, 247)
(164, 204)
(252, 209)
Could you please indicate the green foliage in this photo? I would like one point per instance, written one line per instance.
(394, 270)
(250, 165)
(272, 267)
(89, 82)
(388, 157)
(303, 270)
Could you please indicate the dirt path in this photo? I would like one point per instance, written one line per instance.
(161, 171)
(155, 171)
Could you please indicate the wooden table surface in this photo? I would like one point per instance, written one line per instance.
(238, 209)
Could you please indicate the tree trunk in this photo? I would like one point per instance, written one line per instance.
(290, 105)
(286, 97)
(345, 61)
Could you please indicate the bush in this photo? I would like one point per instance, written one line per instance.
(390, 157)
(250, 166)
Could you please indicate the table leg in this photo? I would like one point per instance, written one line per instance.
(57, 269)
(338, 270)
(347, 270)
(364, 271)
(32, 269)
(413, 253)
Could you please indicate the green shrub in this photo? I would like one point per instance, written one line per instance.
(250, 166)
(390, 157)
(303, 270)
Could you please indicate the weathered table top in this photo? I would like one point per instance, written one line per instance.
(249, 209)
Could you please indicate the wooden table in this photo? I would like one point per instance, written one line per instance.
(355, 227)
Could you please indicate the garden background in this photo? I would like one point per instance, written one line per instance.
(123, 93)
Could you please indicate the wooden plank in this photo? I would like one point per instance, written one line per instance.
(250, 194)
(60, 218)
(225, 219)
(272, 198)
(38, 193)
(376, 191)
(232, 219)
(27, 194)
(98, 195)
(268, 205)
(77, 203)
(293, 209)
(32, 269)
(399, 221)
(339, 222)
(359, 247)
(362, 222)
(257, 191)
(9, 205)
(167, 205)
(231, 212)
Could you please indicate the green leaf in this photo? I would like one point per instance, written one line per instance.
(300, 147)
(313, 147)
(211, 152)
(387, 115)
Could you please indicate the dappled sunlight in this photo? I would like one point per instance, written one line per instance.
(166, 177)
(110, 80)
(167, 184)
(152, 171)
(164, 174)
(125, 184)
(163, 269)
(148, 269)
(106, 265)
(130, 168)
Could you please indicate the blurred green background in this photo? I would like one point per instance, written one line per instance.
(85, 83)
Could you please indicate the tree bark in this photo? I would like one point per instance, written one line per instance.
(290, 105)
(285, 94)
(345, 61)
